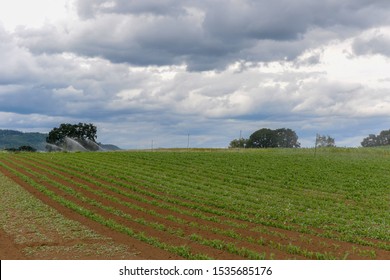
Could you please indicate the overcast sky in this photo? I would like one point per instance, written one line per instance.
(158, 70)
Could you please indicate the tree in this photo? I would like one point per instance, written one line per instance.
(238, 143)
(262, 138)
(287, 138)
(80, 132)
(370, 141)
(324, 141)
(268, 138)
(27, 149)
(383, 139)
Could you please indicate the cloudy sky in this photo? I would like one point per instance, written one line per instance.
(158, 70)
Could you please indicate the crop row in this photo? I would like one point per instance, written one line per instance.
(86, 205)
(154, 198)
(214, 242)
(269, 202)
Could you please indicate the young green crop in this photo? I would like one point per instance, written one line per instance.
(328, 199)
(340, 194)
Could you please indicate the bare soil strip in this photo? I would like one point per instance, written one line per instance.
(8, 249)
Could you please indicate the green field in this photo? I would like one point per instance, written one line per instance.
(336, 199)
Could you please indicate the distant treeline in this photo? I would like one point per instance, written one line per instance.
(287, 138)
(21, 149)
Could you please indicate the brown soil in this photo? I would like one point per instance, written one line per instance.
(8, 248)
(276, 243)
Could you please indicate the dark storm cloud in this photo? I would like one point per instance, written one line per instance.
(204, 35)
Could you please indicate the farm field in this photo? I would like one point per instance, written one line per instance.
(220, 204)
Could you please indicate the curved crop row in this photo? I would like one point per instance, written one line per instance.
(247, 205)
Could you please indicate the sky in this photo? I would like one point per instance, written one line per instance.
(169, 73)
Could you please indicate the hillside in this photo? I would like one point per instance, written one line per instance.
(15, 139)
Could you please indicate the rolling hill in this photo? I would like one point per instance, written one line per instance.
(15, 139)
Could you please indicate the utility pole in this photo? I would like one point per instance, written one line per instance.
(188, 141)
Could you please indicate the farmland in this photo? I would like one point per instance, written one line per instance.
(219, 204)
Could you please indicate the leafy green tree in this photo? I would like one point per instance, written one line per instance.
(268, 138)
(80, 131)
(262, 138)
(370, 141)
(383, 139)
(287, 138)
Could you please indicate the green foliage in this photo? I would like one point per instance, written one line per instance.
(383, 139)
(21, 149)
(80, 131)
(27, 149)
(268, 138)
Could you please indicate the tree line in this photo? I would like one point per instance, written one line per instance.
(287, 138)
(85, 134)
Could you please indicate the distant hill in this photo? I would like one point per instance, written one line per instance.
(15, 139)
(109, 147)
